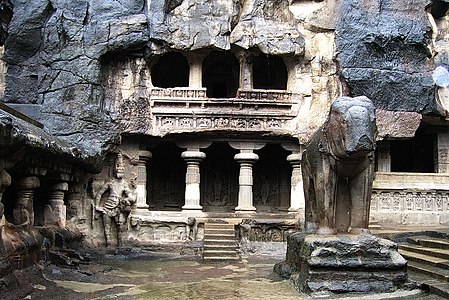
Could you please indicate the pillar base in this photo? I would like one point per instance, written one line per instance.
(245, 209)
(142, 206)
(191, 207)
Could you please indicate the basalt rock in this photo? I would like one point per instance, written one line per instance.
(383, 50)
(344, 263)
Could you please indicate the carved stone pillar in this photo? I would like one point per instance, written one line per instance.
(192, 192)
(141, 190)
(246, 158)
(245, 198)
(384, 158)
(246, 70)
(23, 212)
(297, 200)
(196, 70)
(55, 212)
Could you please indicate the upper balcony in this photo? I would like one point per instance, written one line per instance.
(212, 90)
(256, 109)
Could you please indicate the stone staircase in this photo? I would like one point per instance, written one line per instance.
(428, 262)
(220, 244)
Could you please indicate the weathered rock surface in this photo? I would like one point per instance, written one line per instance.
(384, 53)
(59, 52)
(396, 124)
(358, 263)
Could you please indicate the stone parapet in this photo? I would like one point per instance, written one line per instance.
(401, 181)
(410, 198)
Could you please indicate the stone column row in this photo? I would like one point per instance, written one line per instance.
(246, 158)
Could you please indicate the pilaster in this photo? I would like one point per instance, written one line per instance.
(195, 69)
(297, 200)
(246, 72)
(144, 157)
(383, 156)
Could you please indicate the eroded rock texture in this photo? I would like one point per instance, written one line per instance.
(384, 53)
(59, 52)
(358, 263)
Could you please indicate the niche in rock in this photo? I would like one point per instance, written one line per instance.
(171, 70)
(221, 74)
(269, 72)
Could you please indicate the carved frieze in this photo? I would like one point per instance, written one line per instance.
(420, 201)
(168, 122)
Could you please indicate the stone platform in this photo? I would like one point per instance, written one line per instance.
(343, 263)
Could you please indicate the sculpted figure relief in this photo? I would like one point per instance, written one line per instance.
(338, 168)
(117, 203)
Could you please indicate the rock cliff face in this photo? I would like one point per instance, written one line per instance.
(384, 53)
(64, 55)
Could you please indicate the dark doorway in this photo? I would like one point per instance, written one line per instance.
(413, 155)
(269, 72)
(219, 178)
(166, 178)
(272, 175)
(171, 70)
(221, 74)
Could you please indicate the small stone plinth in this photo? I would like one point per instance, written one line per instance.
(343, 263)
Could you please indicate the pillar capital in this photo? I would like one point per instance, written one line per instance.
(293, 147)
(27, 183)
(60, 186)
(247, 146)
(193, 145)
(249, 157)
(193, 155)
(145, 155)
(294, 158)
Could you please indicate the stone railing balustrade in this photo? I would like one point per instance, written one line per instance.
(410, 198)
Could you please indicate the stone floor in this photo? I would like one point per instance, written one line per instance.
(138, 274)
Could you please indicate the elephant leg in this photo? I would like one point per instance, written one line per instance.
(325, 196)
(361, 189)
(311, 220)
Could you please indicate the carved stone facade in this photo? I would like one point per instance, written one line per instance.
(210, 119)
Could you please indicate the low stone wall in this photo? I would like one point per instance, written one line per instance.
(410, 199)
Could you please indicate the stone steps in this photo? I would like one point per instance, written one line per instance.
(431, 242)
(428, 263)
(220, 244)
(428, 259)
(434, 252)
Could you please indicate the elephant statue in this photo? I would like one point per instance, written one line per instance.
(338, 169)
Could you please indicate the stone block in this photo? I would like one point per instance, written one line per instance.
(343, 263)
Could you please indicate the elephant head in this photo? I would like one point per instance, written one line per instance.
(351, 128)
